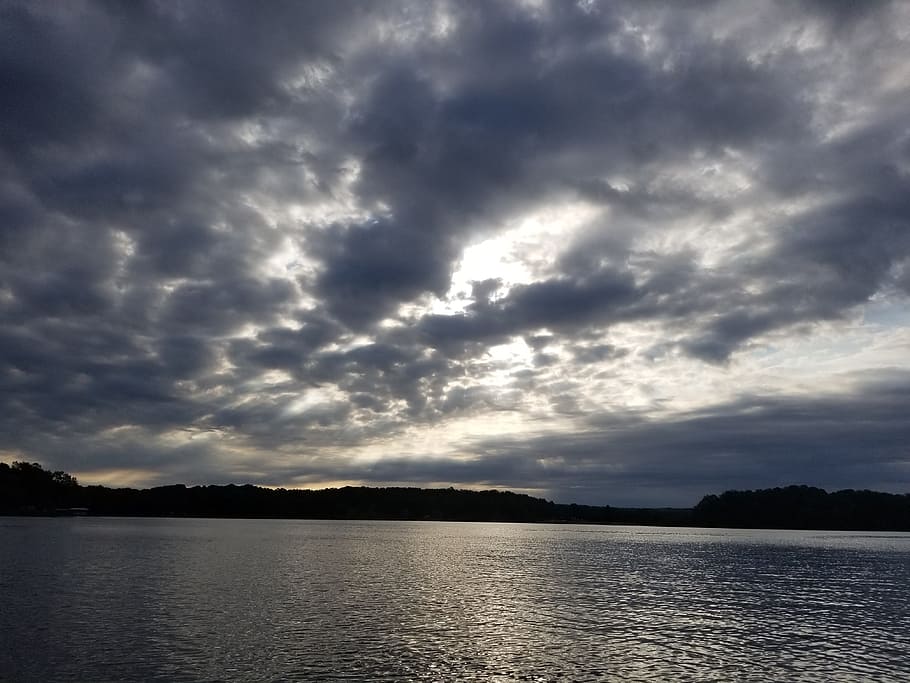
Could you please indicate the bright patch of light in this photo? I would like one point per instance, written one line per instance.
(526, 248)
(273, 377)
(116, 477)
(284, 261)
(504, 359)
(314, 397)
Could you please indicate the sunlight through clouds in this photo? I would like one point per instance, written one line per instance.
(563, 247)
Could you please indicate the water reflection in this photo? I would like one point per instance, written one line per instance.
(201, 600)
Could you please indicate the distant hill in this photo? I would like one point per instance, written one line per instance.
(28, 489)
(805, 507)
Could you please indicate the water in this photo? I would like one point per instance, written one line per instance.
(94, 599)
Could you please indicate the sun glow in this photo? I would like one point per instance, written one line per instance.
(524, 251)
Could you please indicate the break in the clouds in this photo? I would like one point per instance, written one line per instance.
(602, 252)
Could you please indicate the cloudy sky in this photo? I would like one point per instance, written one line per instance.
(599, 252)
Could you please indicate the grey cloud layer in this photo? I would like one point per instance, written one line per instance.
(149, 154)
(851, 440)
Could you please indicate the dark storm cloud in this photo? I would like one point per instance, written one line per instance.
(833, 441)
(168, 266)
(372, 268)
(283, 348)
(824, 264)
(854, 439)
(117, 225)
(554, 304)
(448, 163)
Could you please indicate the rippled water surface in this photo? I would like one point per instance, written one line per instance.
(96, 599)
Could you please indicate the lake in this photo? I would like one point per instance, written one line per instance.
(104, 599)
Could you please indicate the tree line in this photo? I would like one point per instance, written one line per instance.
(26, 488)
(805, 507)
(29, 489)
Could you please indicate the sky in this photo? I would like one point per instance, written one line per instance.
(609, 253)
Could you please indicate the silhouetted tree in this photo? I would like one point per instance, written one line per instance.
(805, 507)
(28, 487)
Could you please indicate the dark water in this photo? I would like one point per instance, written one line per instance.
(203, 600)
